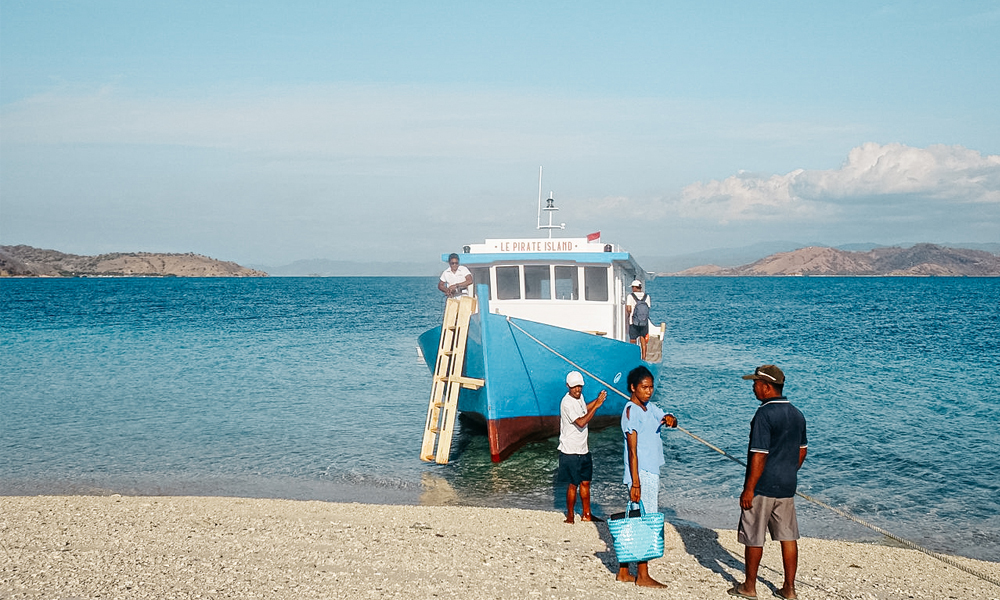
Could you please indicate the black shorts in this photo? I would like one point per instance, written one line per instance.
(637, 331)
(575, 468)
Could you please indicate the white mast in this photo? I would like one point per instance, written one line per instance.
(539, 223)
(550, 208)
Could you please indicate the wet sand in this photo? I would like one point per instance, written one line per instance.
(75, 547)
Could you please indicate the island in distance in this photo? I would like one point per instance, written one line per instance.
(26, 261)
(921, 260)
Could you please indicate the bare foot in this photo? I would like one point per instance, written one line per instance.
(624, 575)
(648, 581)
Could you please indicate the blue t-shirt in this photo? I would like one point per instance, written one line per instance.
(649, 447)
(778, 429)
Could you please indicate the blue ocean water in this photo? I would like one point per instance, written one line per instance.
(311, 388)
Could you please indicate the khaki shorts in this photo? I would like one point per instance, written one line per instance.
(776, 515)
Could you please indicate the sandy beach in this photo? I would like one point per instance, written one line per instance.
(74, 547)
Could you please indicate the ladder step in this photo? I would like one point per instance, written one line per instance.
(467, 382)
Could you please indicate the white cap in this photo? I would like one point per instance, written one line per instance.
(636, 283)
(574, 379)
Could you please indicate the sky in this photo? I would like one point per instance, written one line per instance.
(267, 132)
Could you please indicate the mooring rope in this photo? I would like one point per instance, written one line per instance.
(534, 392)
(941, 557)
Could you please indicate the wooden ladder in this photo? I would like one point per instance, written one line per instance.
(448, 380)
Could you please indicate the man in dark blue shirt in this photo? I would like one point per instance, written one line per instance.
(775, 454)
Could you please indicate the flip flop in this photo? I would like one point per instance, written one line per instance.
(778, 594)
(735, 591)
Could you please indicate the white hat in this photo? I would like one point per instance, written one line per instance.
(574, 379)
(636, 283)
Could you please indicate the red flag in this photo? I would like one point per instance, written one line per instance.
(594, 236)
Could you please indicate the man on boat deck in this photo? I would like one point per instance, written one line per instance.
(774, 455)
(638, 318)
(576, 467)
(641, 423)
(456, 279)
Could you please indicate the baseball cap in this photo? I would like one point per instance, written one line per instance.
(637, 283)
(574, 379)
(767, 373)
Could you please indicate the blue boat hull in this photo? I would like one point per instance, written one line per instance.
(525, 381)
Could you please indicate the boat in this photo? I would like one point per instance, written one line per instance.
(541, 307)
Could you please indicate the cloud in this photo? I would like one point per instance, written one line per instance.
(876, 180)
(950, 173)
(747, 197)
(334, 166)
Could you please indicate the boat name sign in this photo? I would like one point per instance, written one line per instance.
(537, 245)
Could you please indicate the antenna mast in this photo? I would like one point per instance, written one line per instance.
(539, 223)
(550, 208)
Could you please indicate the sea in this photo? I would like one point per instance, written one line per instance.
(312, 388)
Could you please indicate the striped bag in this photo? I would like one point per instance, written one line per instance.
(638, 535)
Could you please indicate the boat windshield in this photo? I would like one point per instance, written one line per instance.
(596, 283)
(508, 283)
(481, 275)
(537, 282)
(549, 282)
(567, 283)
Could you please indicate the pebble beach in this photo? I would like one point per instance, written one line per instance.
(76, 547)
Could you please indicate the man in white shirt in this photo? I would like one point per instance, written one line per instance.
(456, 279)
(576, 467)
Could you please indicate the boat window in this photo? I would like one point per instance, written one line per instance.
(508, 283)
(567, 283)
(537, 282)
(596, 283)
(481, 275)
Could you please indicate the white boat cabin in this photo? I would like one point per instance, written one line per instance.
(569, 282)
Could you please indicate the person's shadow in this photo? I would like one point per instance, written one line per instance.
(699, 542)
(703, 544)
(607, 556)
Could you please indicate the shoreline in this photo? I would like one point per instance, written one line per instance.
(217, 547)
(815, 522)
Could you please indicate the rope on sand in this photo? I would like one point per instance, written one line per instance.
(941, 557)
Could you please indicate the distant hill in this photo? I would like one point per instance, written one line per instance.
(718, 258)
(921, 260)
(26, 261)
(723, 257)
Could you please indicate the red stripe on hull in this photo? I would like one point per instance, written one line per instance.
(508, 435)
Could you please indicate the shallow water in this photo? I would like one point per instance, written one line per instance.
(312, 388)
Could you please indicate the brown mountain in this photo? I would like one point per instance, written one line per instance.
(921, 260)
(26, 261)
